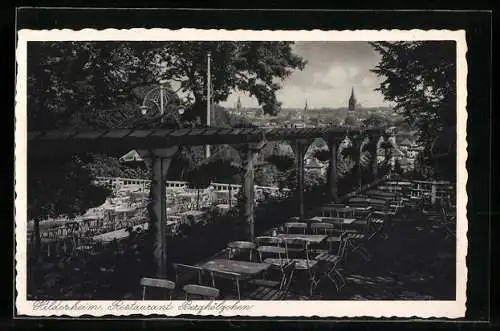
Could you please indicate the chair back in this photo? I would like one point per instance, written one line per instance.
(165, 284)
(335, 205)
(268, 241)
(345, 212)
(358, 202)
(274, 251)
(287, 275)
(205, 292)
(235, 247)
(323, 228)
(185, 273)
(328, 211)
(232, 276)
(297, 247)
(296, 227)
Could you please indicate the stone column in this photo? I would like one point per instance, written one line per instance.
(300, 148)
(333, 144)
(374, 160)
(356, 143)
(248, 186)
(159, 161)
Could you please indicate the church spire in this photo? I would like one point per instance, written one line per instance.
(305, 106)
(352, 101)
(238, 104)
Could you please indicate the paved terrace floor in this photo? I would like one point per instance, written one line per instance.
(414, 263)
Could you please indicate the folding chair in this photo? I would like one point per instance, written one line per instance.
(449, 223)
(303, 263)
(235, 247)
(273, 290)
(296, 227)
(331, 230)
(354, 243)
(329, 262)
(167, 285)
(199, 291)
(233, 277)
(345, 212)
(185, 273)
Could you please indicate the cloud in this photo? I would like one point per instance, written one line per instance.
(335, 76)
(368, 82)
(326, 81)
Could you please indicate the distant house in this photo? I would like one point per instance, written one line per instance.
(406, 142)
(131, 156)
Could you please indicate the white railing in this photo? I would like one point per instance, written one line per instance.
(117, 183)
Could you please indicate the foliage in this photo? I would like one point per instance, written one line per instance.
(254, 67)
(281, 162)
(420, 79)
(60, 186)
(109, 166)
(100, 85)
(267, 175)
(375, 120)
(322, 155)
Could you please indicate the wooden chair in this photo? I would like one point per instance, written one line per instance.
(327, 211)
(233, 277)
(167, 285)
(86, 246)
(329, 263)
(331, 230)
(296, 227)
(235, 247)
(449, 221)
(199, 291)
(358, 202)
(346, 212)
(185, 273)
(272, 290)
(303, 261)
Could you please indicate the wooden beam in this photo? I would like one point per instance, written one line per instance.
(119, 141)
(333, 144)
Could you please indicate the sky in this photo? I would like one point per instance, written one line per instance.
(333, 68)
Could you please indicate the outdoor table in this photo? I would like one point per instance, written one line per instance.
(118, 234)
(124, 211)
(362, 210)
(241, 246)
(395, 183)
(244, 268)
(47, 224)
(312, 238)
(340, 220)
(197, 215)
(224, 207)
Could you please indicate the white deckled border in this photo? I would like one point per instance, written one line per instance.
(422, 309)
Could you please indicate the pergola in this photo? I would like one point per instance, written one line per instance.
(158, 147)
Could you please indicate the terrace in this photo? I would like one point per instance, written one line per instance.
(396, 247)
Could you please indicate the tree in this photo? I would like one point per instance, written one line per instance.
(420, 80)
(374, 120)
(60, 186)
(255, 67)
(100, 85)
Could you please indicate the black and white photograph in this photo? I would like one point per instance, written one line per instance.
(165, 172)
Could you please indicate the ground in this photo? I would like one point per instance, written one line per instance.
(415, 262)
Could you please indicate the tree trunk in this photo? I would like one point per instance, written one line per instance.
(249, 193)
(332, 174)
(38, 241)
(198, 198)
(199, 109)
(160, 162)
(156, 217)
